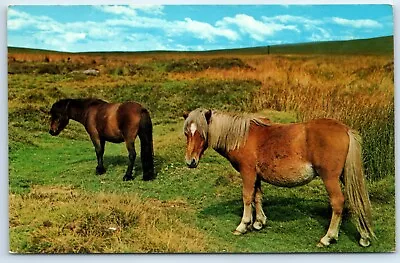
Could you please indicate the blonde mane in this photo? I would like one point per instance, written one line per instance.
(225, 131)
(230, 131)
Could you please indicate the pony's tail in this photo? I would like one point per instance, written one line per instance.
(356, 190)
(146, 145)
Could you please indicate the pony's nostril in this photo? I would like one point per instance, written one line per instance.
(192, 164)
(52, 132)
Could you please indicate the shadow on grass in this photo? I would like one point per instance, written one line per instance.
(286, 209)
(121, 160)
(280, 209)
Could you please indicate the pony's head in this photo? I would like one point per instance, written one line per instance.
(59, 116)
(196, 132)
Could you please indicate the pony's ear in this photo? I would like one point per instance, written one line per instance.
(185, 115)
(208, 116)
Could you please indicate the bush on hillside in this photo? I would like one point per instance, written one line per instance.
(193, 65)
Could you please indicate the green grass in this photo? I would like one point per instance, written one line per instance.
(213, 191)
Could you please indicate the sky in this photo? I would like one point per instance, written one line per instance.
(82, 28)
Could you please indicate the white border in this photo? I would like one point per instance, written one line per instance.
(298, 258)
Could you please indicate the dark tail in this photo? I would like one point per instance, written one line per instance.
(146, 145)
(356, 190)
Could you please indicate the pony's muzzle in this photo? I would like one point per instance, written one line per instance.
(192, 163)
(53, 133)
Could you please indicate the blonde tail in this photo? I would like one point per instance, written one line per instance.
(356, 190)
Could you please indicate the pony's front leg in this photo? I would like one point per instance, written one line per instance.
(132, 157)
(99, 148)
(248, 197)
(261, 219)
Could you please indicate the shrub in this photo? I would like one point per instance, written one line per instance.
(48, 69)
(190, 65)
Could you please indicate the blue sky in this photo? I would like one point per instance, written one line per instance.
(190, 27)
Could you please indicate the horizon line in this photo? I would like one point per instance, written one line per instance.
(201, 51)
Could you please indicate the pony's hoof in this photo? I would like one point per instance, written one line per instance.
(324, 242)
(127, 178)
(364, 242)
(148, 177)
(257, 225)
(237, 233)
(321, 244)
(100, 170)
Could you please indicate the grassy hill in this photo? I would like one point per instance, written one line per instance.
(372, 46)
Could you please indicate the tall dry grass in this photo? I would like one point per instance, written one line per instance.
(358, 91)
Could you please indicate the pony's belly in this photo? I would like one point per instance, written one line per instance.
(288, 175)
(113, 134)
(114, 139)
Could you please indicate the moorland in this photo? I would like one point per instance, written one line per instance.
(58, 205)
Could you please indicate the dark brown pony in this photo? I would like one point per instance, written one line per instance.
(112, 122)
(285, 155)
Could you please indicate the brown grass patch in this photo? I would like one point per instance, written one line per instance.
(64, 220)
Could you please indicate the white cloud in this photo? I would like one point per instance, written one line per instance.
(319, 34)
(117, 10)
(12, 13)
(93, 29)
(146, 41)
(257, 30)
(72, 37)
(73, 32)
(150, 9)
(131, 10)
(16, 23)
(292, 19)
(55, 34)
(197, 29)
(18, 20)
(137, 22)
(357, 23)
(46, 39)
(201, 30)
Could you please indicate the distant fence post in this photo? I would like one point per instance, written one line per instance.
(268, 49)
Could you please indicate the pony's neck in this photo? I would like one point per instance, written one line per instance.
(76, 111)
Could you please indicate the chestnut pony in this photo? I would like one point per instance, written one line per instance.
(112, 122)
(285, 155)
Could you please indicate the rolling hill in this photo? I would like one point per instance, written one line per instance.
(372, 46)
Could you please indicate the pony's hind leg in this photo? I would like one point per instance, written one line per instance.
(337, 202)
(132, 157)
(248, 197)
(261, 219)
